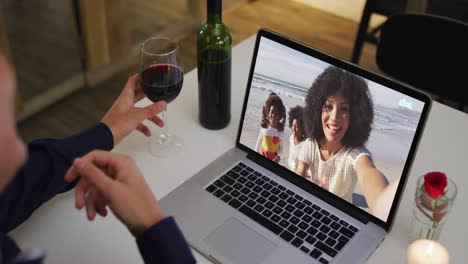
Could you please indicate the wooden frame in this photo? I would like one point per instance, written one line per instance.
(105, 31)
(106, 35)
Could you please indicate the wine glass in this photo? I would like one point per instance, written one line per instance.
(161, 77)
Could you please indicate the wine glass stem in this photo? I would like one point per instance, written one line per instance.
(165, 134)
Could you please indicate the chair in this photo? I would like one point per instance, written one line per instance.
(427, 51)
(381, 7)
(457, 9)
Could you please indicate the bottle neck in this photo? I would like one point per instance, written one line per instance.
(214, 8)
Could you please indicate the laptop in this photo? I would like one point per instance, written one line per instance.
(251, 206)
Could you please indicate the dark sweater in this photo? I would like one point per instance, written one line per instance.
(42, 177)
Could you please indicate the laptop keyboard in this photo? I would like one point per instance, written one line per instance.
(305, 225)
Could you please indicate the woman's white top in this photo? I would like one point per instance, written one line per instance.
(338, 173)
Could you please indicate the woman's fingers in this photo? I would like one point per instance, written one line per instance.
(71, 174)
(90, 204)
(94, 175)
(80, 193)
(157, 121)
(144, 130)
(95, 204)
(100, 205)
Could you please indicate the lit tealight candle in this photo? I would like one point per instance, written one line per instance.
(423, 251)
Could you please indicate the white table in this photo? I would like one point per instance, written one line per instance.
(70, 238)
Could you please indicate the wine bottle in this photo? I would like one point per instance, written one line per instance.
(214, 46)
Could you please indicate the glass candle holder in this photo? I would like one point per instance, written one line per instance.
(430, 211)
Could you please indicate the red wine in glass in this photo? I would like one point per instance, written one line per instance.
(162, 82)
(161, 77)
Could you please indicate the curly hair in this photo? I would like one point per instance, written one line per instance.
(354, 88)
(296, 113)
(263, 119)
(275, 100)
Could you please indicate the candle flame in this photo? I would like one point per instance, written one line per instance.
(429, 249)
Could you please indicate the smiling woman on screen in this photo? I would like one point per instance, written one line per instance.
(338, 118)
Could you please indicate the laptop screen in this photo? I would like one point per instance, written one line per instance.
(347, 134)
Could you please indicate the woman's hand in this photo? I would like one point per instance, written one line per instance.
(372, 182)
(277, 159)
(109, 179)
(123, 117)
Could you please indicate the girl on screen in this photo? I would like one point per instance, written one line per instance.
(297, 137)
(338, 117)
(270, 138)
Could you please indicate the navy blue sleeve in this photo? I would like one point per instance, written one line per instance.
(42, 176)
(164, 243)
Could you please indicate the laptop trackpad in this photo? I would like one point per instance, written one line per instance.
(237, 243)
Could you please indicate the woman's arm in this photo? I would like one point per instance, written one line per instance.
(301, 168)
(373, 183)
(41, 177)
(259, 141)
(280, 149)
(281, 145)
(303, 160)
(385, 200)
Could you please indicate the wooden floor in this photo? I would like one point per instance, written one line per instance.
(147, 17)
(321, 30)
